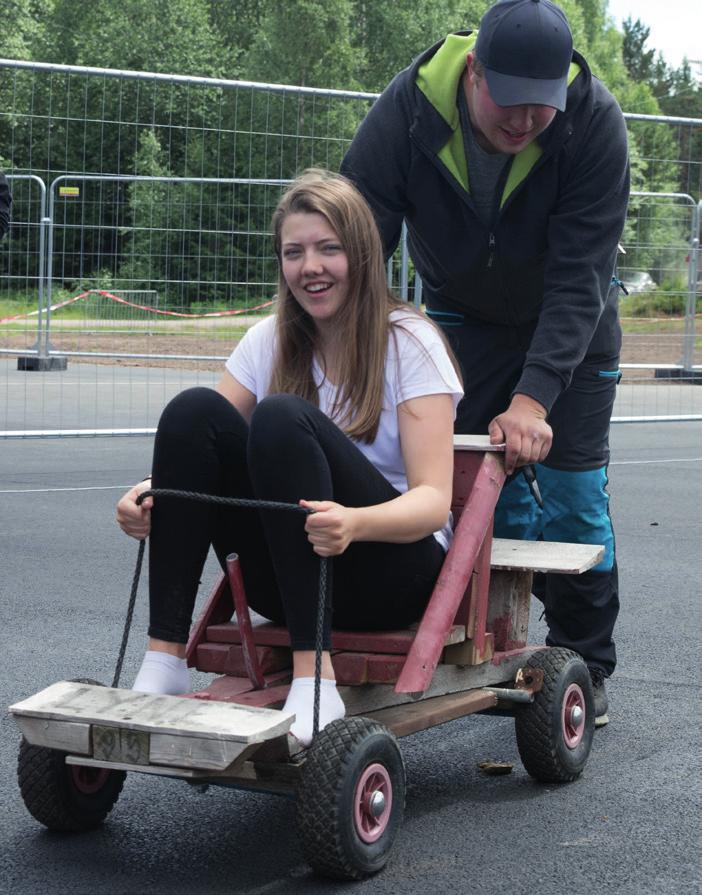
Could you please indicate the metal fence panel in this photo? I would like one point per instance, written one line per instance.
(661, 356)
(23, 260)
(161, 193)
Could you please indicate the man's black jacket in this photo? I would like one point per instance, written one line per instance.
(547, 261)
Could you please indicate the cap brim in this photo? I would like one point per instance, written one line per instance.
(509, 90)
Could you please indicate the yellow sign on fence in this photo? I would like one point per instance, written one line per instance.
(69, 191)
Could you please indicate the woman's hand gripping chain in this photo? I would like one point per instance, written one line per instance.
(330, 526)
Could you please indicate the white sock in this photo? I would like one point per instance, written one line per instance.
(301, 701)
(162, 673)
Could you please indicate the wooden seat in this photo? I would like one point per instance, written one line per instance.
(378, 656)
(479, 608)
(359, 656)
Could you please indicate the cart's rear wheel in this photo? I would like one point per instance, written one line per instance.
(554, 733)
(68, 798)
(351, 798)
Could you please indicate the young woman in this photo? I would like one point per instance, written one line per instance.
(343, 402)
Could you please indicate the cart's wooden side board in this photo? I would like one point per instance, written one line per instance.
(544, 556)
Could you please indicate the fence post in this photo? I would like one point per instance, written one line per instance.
(43, 360)
(691, 308)
(40, 360)
(404, 264)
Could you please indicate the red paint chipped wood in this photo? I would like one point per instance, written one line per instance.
(473, 526)
(269, 634)
(367, 668)
(225, 658)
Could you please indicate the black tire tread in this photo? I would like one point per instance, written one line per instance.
(319, 791)
(40, 772)
(42, 776)
(535, 742)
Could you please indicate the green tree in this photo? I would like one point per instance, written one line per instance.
(677, 94)
(23, 32)
(236, 25)
(144, 241)
(158, 35)
(662, 158)
(306, 43)
(389, 35)
(639, 61)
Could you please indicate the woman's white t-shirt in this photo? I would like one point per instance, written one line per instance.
(417, 364)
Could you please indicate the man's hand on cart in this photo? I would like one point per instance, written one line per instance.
(524, 431)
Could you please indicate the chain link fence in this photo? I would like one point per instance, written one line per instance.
(140, 249)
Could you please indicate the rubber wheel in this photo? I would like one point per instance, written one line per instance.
(351, 799)
(554, 732)
(67, 798)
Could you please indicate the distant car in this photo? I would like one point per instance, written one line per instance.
(638, 281)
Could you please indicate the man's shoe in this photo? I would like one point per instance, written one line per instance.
(601, 702)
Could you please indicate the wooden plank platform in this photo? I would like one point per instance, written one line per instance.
(68, 701)
(544, 556)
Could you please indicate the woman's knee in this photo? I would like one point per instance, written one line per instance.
(192, 407)
(278, 416)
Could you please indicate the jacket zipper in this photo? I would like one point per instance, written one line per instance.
(491, 249)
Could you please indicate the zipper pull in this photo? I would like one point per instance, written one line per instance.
(491, 246)
(617, 282)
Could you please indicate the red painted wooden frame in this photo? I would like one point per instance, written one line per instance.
(460, 595)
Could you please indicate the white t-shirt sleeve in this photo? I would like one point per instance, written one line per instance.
(251, 361)
(421, 363)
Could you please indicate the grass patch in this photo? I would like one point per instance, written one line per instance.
(652, 325)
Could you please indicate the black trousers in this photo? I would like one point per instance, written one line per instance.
(291, 451)
(581, 610)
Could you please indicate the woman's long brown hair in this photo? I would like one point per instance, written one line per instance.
(363, 318)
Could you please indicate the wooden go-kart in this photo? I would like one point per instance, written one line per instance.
(468, 654)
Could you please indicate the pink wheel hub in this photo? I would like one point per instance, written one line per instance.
(372, 803)
(573, 716)
(88, 781)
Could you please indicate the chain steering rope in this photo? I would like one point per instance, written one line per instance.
(250, 504)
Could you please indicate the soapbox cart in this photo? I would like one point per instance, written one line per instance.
(468, 654)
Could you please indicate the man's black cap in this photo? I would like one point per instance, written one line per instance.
(526, 47)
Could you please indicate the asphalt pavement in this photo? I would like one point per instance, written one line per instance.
(631, 824)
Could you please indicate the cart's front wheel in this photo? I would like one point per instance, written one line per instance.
(63, 797)
(69, 798)
(554, 732)
(351, 798)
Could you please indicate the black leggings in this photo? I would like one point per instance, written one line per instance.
(291, 451)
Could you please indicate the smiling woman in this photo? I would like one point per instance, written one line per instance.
(315, 268)
(342, 402)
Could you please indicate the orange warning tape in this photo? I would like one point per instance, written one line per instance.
(132, 304)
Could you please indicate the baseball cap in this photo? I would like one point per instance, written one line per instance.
(525, 47)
